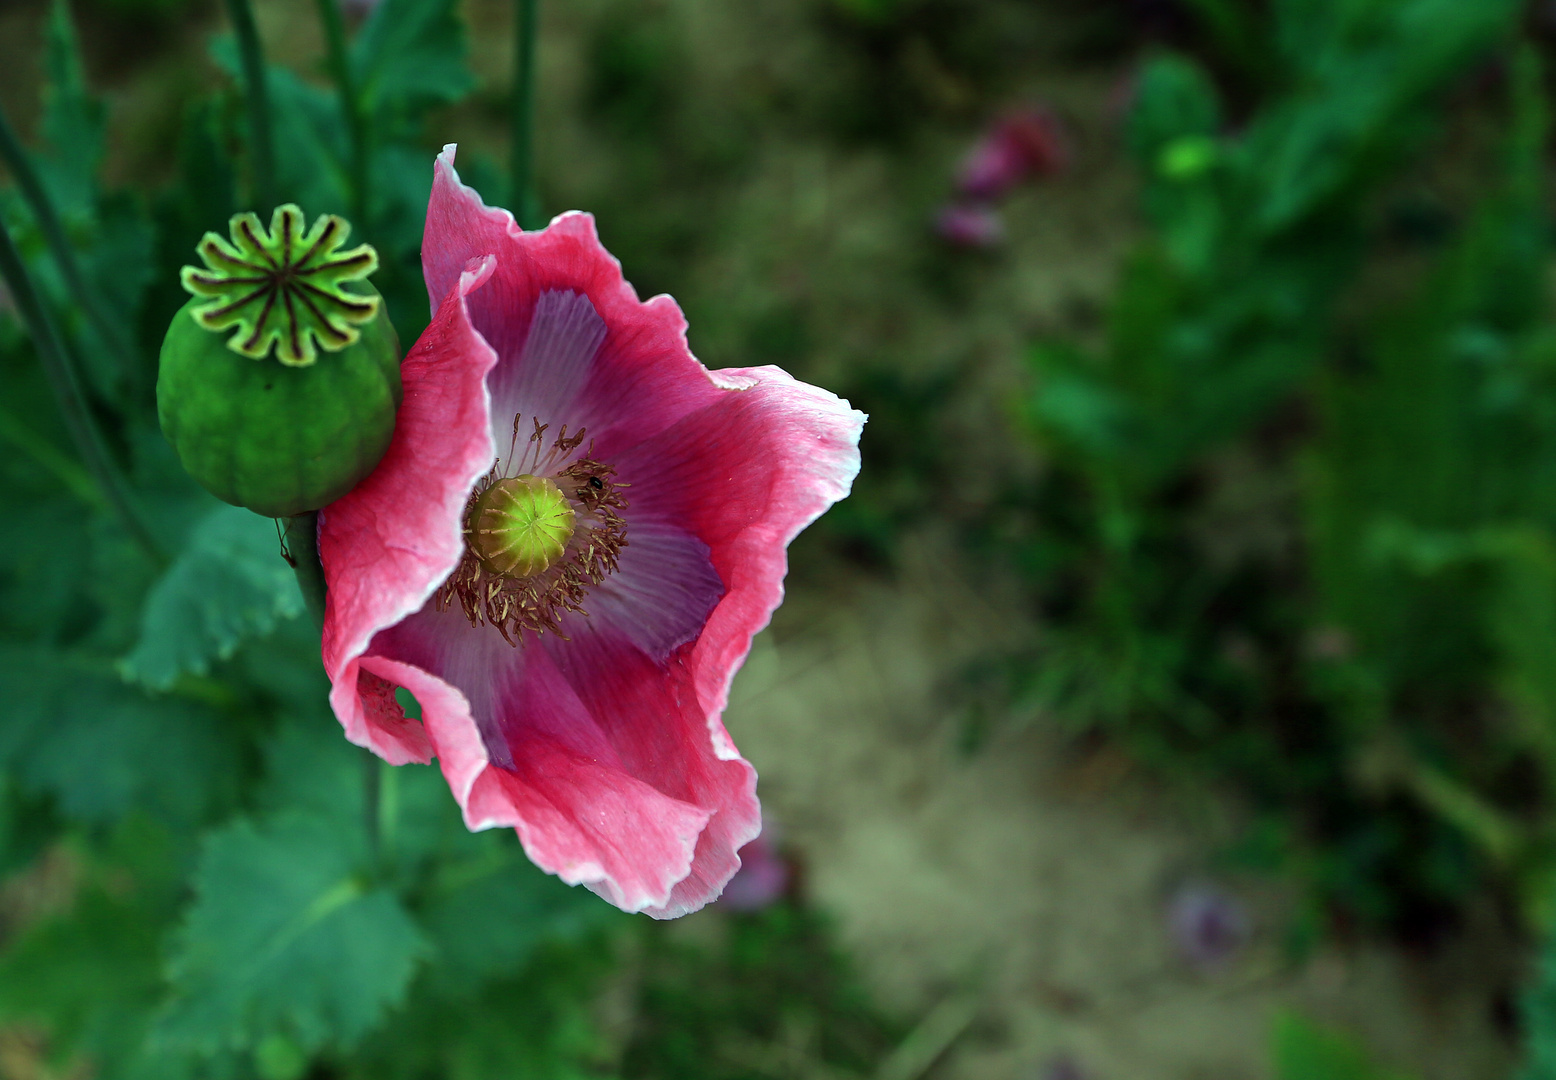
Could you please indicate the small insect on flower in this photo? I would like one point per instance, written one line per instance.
(565, 553)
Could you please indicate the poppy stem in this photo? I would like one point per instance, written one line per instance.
(525, 202)
(350, 105)
(68, 395)
(43, 212)
(372, 797)
(302, 540)
(262, 158)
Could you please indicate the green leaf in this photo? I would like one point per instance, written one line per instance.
(72, 122)
(1072, 407)
(101, 748)
(1305, 1051)
(111, 238)
(541, 1023)
(42, 543)
(90, 973)
(86, 972)
(410, 53)
(119, 261)
(487, 915)
(229, 584)
(483, 905)
(1538, 1008)
(1175, 100)
(309, 133)
(1363, 76)
(285, 937)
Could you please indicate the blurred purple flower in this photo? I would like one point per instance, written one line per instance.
(972, 225)
(762, 879)
(1020, 146)
(358, 10)
(1209, 925)
(1062, 1067)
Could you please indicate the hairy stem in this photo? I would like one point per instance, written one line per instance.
(257, 99)
(61, 373)
(47, 217)
(302, 540)
(526, 205)
(350, 106)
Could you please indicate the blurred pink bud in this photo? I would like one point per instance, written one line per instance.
(1022, 145)
(972, 225)
(762, 879)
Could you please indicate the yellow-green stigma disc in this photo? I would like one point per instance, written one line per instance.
(520, 526)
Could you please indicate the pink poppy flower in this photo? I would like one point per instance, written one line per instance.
(1022, 145)
(565, 553)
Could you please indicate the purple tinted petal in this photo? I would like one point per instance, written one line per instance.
(553, 365)
(654, 718)
(543, 708)
(475, 659)
(662, 594)
(584, 807)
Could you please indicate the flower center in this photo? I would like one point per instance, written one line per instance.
(520, 526)
(540, 532)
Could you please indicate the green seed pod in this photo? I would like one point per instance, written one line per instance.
(280, 438)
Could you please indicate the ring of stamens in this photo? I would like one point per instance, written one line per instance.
(527, 583)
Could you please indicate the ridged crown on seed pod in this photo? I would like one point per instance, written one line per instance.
(284, 287)
(290, 434)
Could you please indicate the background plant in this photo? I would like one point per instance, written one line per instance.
(1294, 522)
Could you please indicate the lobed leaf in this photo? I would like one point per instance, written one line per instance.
(72, 121)
(228, 585)
(285, 938)
(410, 53)
(102, 748)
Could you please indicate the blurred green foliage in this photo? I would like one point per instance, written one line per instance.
(1295, 525)
(1303, 1050)
(770, 998)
